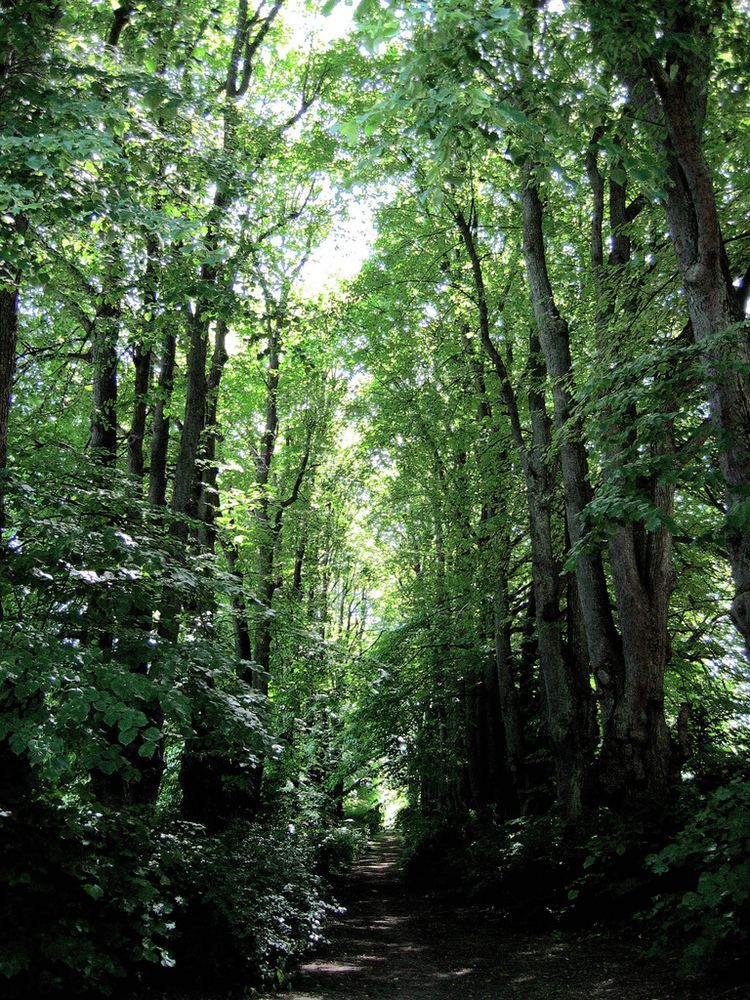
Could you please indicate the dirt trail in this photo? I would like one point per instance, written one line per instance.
(393, 944)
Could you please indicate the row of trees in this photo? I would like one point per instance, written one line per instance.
(479, 518)
(180, 594)
(162, 199)
(566, 269)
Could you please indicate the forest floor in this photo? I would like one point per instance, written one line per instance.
(393, 943)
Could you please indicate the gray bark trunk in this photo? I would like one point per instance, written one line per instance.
(716, 310)
(571, 755)
(185, 474)
(637, 753)
(209, 497)
(266, 537)
(104, 384)
(603, 641)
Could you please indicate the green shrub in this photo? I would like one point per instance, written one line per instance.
(341, 847)
(607, 872)
(84, 903)
(250, 902)
(95, 902)
(364, 809)
(703, 893)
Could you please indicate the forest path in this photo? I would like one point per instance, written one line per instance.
(396, 944)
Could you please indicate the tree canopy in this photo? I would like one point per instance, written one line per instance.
(374, 422)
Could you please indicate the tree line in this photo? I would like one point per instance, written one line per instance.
(473, 523)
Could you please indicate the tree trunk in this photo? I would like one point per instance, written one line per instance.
(157, 478)
(185, 474)
(714, 305)
(240, 621)
(604, 646)
(265, 535)
(104, 379)
(504, 684)
(570, 747)
(208, 500)
(638, 756)
(503, 725)
(137, 433)
(8, 336)
(16, 775)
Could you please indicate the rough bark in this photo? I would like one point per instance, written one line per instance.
(671, 91)
(185, 473)
(715, 309)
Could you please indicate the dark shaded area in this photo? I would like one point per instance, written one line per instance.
(404, 944)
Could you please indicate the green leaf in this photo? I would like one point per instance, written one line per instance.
(349, 131)
(153, 98)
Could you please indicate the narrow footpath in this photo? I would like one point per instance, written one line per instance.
(395, 944)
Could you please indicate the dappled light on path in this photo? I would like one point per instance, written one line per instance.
(397, 944)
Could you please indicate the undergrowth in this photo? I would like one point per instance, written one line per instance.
(682, 884)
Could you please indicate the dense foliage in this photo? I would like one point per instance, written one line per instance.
(374, 393)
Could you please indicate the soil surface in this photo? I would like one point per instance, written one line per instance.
(397, 944)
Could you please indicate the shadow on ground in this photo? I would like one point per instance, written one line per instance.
(393, 944)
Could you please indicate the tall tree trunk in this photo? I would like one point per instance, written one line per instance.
(240, 620)
(504, 684)
(157, 477)
(715, 307)
(604, 645)
(499, 702)
(265, 535)
(638, 756)
(571, 746)
(143, 360)
(299, 564)
(208, 500)
(104, 378)
(16, 775)
(8, 337)
(136, 436)
(186, 469)
(672, 90)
